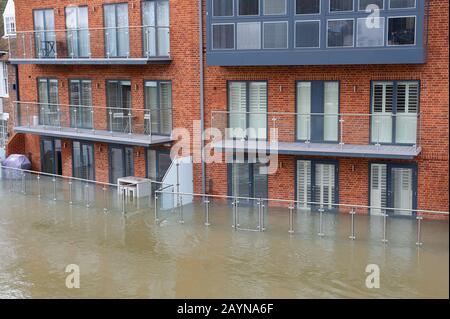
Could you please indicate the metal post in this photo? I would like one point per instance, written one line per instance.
(419, 230)
(70, 193)
(23, 45)
(385, 215)
(86, 195)
(258, 204)
(235, 213)
(321, 210)
(105, 200)
(263, 222)
(76, 120)
(110, 122)
(291, 219)
(123, 201)
(39, 186)
(130, 118)
(92, 120)
(207, 212)
(54, 189)
(23, 184)
(28, 116)
(308, 130)
(156, 208)
(378, 131)
(341, 143)
(352, 214)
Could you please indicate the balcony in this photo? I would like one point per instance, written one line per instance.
(383, 135)
(137, 45)
(127, 126)
(316, 32)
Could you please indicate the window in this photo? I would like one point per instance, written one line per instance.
(248, 7)
(4, 91)
(317, 111)
(274, 7)
(307, 34)
(156, 32)
(247, 104)
(83, 160)
(402, 4)
(10, 26)
(223, 36)
(341, 5)
(77, 25)
(222, 8)
(248, 35)
(370, 32)
(81, 104)
(317, 182)
(45, 36)
(117, 42)
(402, 31)
(393, 186)
(48, 102)
(371, 4)
(275, 35)
(121, 163)
(307, 6)
(395, 105)
(340, 33)
(118, 94)
(158, 100)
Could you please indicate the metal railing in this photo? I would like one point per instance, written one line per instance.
(114, 121)
(338, 128)
(92, 43)
(3, 133)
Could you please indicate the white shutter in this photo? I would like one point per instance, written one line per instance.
(258, 110)
(165, 91)
(403, 189)
(382, 101)
(238, 116)
(378, 187)
(304, 110)
(3, 80)
(303, 183)
(331, 109)
(407, 108)
(325, 185)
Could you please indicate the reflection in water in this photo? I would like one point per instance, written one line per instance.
(123, 257)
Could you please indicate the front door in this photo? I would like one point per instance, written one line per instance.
(83, 160)
(121, 163)
(51, 159)
(249, 180)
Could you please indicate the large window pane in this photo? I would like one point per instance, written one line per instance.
(223, 36)
(341, 5)
(77, 32)
(307, 6)
(258, 110)
(382, 112)
(370, 32)
(401, 31)
(237, 97)
(275, 35)
(116, 33)
(370, 4)
(119, 105)
(222, 8)
(304, 111)
(248, 7)
(331, 109)
(45, 36)
(274, 7)
(81, 104)
(407, 109)
(249, 35)
(155, 17)
(340, 33)
(307, 34)
(402, 4)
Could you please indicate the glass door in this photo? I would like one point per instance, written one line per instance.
(119, 105)
(81, 104)
(249, 180)
(48, 102)
(158, 100)
(77, 25)
(83, 160)
(325, 185)
(402, 195)
(155, 18)
(117, 38)
(45, 36)
(382, 112)
(121, 163)
(51, 159)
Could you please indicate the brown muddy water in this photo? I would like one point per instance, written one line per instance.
(133, 257)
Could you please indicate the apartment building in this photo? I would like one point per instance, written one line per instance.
(354, 92)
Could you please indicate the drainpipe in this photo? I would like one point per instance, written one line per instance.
(16, 69)
(202, 93)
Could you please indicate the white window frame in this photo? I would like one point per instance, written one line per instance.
(4, 79)
(382, 22)
(401, 45)
(287, 35)
(234, 36)
(307, 14)
(409, 8)
(338, 12)
(271, 14)
(212, 10)
(363, 10)
(237, 34)
(353, 42)
(295, 33)
(249, 15)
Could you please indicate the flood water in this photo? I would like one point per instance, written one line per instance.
(134, 257)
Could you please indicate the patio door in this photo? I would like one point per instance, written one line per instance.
(117, 37)
(83, 160)
(77, 25)
(119, 105)
(121, 162)
(81, 104)
(317, 111)
(45, 36)
(48, 102)
(393, 186)
(51, 159)
(249, 180)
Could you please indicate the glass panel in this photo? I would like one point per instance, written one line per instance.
(249, 35)
(258, 110)
(341, 5)
(81, 104)
(45, 38)
(222, 8)
(164, 163)
(304, 110)
(119, 104)
(304, 184)
(331, 109)
(241, 179)
(401, 4)
(340, 33)
(223, 36)
(370, 32)
(77, 160)
(382, 102)
(149, 21)
(378, 188)
(260, 181)
(88, 161)
(371, 4)
(248, 7)
(163, 30)
(129, 161)
(307, 34)
(78, 33)
(402, 184)
(325, 185)
(151, 164)
(407, 108)
(275, 35)
(116, 165)
(165, 98)
(48, 157)
(402, 31)
(238, 108)
(307, 6)
(110, 31)
(123, 41)
(274, 7)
